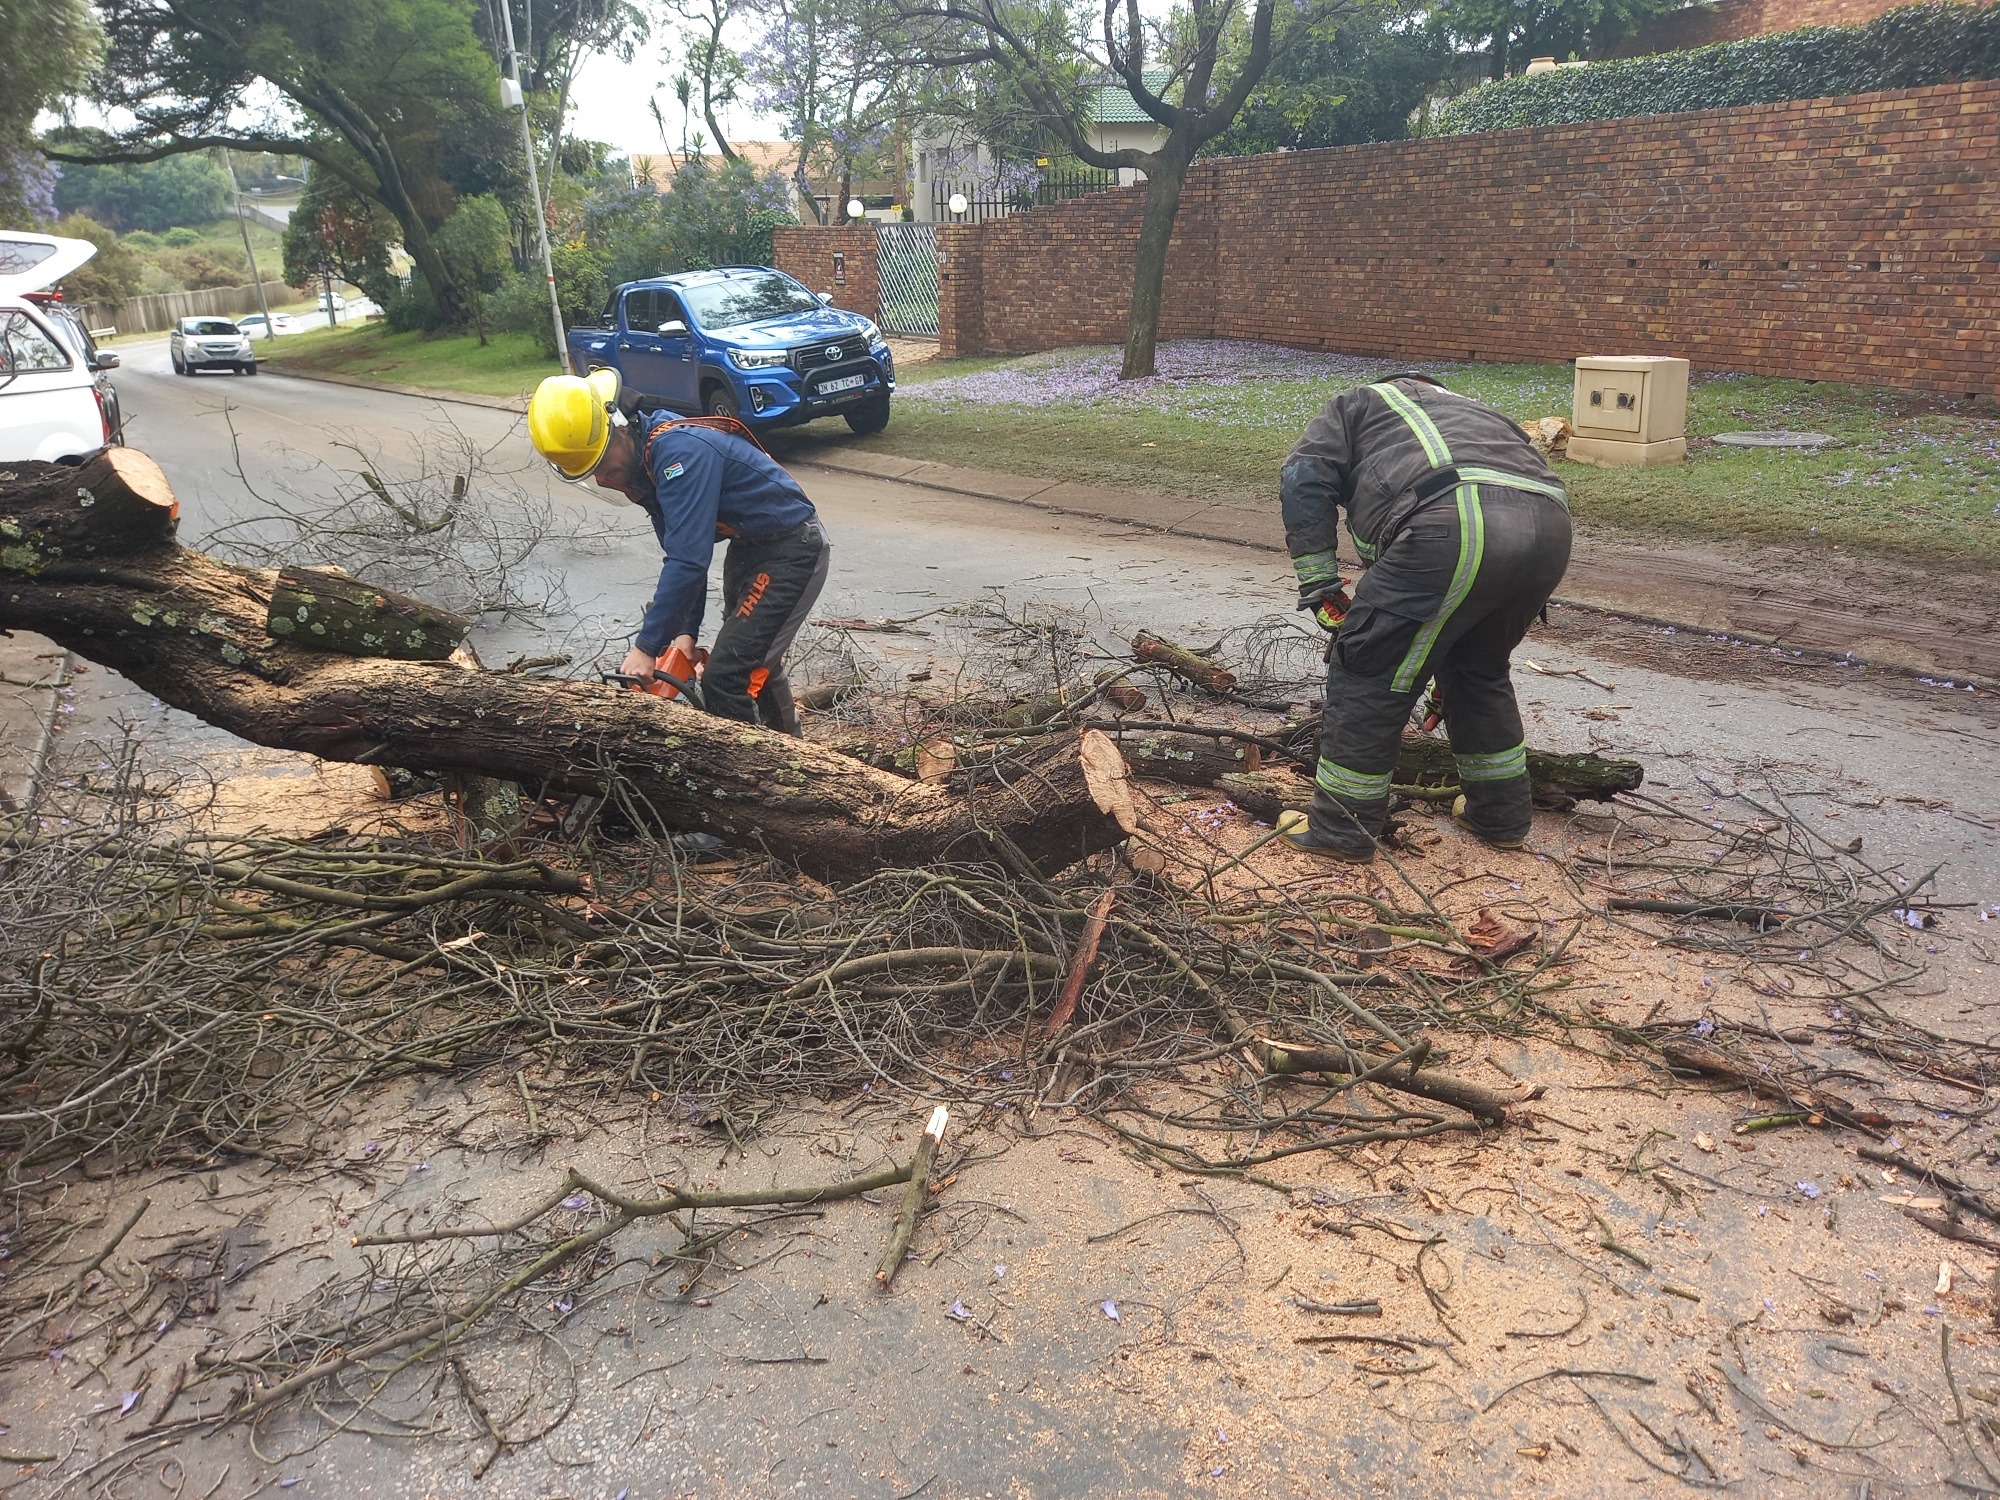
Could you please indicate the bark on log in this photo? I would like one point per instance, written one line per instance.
(1427, 762)
(1187, 759)
(1183, 663)
(88, 558)
(327, 611)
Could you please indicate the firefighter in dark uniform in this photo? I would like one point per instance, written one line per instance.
(700, 480)
(1464, 533)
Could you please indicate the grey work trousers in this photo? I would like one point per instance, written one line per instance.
(768, 589)
(1450, 597)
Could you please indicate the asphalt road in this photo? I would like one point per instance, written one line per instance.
(798, 1380)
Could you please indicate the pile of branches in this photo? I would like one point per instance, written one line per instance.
(174, 995)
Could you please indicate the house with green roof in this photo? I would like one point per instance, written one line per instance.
(947, 161)
(1115, 121)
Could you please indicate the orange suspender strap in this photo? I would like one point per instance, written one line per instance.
(729, 425)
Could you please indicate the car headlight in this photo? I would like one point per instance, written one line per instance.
(874, 333)
(753, 359)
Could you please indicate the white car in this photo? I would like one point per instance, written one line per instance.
(210, 344)
(51, 403)
(253, 324)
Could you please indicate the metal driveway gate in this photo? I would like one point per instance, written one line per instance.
(906, 278)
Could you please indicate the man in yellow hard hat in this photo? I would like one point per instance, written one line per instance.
(700, 480)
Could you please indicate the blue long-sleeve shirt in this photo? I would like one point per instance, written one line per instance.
(707, 486)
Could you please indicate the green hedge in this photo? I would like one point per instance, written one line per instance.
(1900, 49)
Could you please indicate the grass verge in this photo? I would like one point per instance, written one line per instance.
(508, 364)
(1909, 474)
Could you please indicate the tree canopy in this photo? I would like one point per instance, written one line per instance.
(1516, 30)
(1361, 83)
(154, 196)
(47, 50)
(397, 99)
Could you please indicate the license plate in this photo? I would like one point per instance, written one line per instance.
(845, 383)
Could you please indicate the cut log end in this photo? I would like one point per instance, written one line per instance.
(139, 476)
(1108, 778)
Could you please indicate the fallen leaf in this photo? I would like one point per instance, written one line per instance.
(1495, 937)
(1705, 1142)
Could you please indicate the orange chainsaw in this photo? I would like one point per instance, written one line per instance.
(676, 675)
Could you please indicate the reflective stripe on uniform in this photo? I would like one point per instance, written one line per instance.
(1316, 568)
(1471, 552)
(1419, 422)
(1471, 533)
(1480, 475)
(1356, 786)
(1493, 765)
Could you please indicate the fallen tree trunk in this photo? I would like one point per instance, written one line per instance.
(88, 557)
(1425, 769)
(1426, 760)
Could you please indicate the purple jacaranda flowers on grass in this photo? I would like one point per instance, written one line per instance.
(1207, 379)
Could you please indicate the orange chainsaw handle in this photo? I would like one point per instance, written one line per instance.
(673, 674)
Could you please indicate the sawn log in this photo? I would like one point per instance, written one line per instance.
(1426, 763)
(89, 558)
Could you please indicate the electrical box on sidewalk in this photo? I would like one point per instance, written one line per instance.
(1629, 410)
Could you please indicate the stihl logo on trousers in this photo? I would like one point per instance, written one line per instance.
(757, 586)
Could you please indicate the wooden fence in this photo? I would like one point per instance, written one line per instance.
(161, 310)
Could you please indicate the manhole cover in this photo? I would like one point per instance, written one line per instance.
(1773, 439)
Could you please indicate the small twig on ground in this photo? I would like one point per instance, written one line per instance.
(1632, 1377)
(1609, 1241)
(1081, 965)
(913, 1198)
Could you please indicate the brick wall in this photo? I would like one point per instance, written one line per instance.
(837, 259)
(1063, 275)
(961, 291)
(1847, 239)
(1733, 20)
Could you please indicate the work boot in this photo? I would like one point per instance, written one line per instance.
(1297, 831)
(1495, 841)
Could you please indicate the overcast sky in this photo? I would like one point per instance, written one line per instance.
(609, 104)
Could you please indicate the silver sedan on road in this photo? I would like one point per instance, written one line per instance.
(210, 344)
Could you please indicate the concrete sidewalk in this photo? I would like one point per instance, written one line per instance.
(33, 672)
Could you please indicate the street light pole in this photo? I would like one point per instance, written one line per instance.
(518, 99)
(242, 223)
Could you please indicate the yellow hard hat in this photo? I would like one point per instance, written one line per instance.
(570, 420)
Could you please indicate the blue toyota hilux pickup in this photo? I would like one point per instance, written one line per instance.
(743, 341)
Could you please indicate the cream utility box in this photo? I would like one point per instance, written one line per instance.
(1629, 409)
